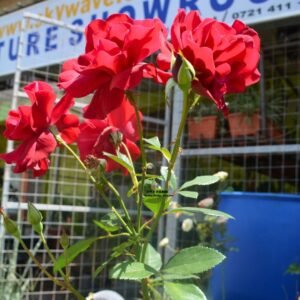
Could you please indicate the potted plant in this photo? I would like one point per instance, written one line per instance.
(274, 108)
(244, 117)
(202, 123)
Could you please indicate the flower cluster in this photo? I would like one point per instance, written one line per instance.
(224, 59)
(30, 125)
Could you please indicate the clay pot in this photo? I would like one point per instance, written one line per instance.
(241, 124)
(203, 128)
(274, 133)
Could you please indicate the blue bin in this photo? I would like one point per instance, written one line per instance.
(267, 235)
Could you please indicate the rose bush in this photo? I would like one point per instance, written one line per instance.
(207, 57)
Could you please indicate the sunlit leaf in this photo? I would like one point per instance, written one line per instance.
(153, 258)
(131, 271)
(121, 159)
(71, 253)
(154, 141)
(200, 180)
(193, 260)
(188, 194)
(183, 291)
(197, 210)
(108, 222)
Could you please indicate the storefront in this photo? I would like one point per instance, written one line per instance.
(264, 159)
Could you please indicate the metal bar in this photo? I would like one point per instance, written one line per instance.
(58, 23)
(242, 150)
(263, 113)
(70, 208)
(9, 148)
(171, 221)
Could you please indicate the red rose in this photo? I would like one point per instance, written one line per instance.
(113, 62)
(29, 125)
(98, 136)
(224, 57)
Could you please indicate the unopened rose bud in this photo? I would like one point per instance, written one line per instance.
(10, 226)
(116, 138)
(164, 242)
(92, 162)
(207, 202)
(222, 175)
(64, 240)
(187, 225)
(35, 218)
(183, 72)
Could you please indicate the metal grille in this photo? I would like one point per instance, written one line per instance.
(266, 159)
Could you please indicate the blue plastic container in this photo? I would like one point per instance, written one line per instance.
(267, 235)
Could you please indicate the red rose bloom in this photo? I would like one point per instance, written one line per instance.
(113, 62)
(224, 57)
(29, 125)
(97, 136)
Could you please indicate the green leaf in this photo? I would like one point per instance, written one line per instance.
(164, 174)
(197, 210)
(153, 202)
(121, 159)
(153, 142)
(133, 190)
(166, 153)
(200, 180)
(119, 250)
(109, 222)
(172, 277)
(101, 267)
(193, 260)
(153, 258)
(131, 271)
(169, 85)
(183, 291)
(71, 253)
(188, 194)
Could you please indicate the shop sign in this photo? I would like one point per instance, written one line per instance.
(46, 44)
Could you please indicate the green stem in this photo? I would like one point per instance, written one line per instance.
(122, 221)
(144, 166)
(155, 292)
(93, 179)
(174, 155)
(66, 279)
(121, 201)
(111, 236)
(145, 290)
(74, 154)
(50, 276)
(176, 147)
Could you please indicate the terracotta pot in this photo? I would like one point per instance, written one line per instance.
(274, 133)
(241, 124)
(205, 127)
